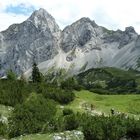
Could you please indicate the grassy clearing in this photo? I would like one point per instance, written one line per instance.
(129, 104)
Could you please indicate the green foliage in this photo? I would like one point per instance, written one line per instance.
(104, 128)
(67, 111)
(70, 83)
(60, 95)
(36, 75)
(35, 112)
(98, 127)
(62, 123)
(71, 122)
(30, 116)
(122, 85)
(109, 80)
(13, 92)
(51, 91)
(3, 129)
(133, 128)
(11, 75)
(55, 77)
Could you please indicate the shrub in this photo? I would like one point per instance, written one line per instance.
(71, 122)
(31, 116)
(133, 128)
(3, 129)
(11, 75)
(71, 83)
(103, 128)
(67, 111)
(59, 95)
(13, 92)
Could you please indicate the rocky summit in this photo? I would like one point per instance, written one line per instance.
(78, 47)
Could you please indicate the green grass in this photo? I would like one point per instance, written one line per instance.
(129, 104)
(34, 137)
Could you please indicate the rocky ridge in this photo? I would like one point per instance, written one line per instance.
(78, 47)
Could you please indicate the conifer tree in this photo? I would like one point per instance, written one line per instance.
(36, 75)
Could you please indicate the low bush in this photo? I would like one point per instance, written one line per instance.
(30, 116)
(67, 111)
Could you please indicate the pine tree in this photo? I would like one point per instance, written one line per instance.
(36, 75)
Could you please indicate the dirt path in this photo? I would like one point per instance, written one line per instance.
(89, 108)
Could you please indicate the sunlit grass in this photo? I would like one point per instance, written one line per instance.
(129, 104)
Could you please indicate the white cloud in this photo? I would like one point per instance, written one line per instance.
(7, 19)
(112, 14)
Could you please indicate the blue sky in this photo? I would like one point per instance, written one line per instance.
(19, 9)
(113, 14)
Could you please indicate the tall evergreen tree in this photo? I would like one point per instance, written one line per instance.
(36, 75)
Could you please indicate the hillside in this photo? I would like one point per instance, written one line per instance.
(110, 80)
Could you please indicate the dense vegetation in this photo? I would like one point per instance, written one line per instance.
(97, 127)
(110, 128)
(110, 81)
(13, 92)
(36, 105)
(30, 116)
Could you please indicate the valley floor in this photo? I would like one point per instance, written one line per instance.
(98, 104)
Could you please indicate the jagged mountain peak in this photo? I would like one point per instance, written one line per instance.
(84, 21)
(32, 40)
(41, 13)
(42, 10)
(80, 46)
(42, 19)
(130, 29)
(79, 34)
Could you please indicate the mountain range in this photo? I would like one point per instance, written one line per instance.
(76, 48)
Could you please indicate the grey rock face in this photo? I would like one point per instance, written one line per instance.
(78, 34)
(80, 46)
(33, 40)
